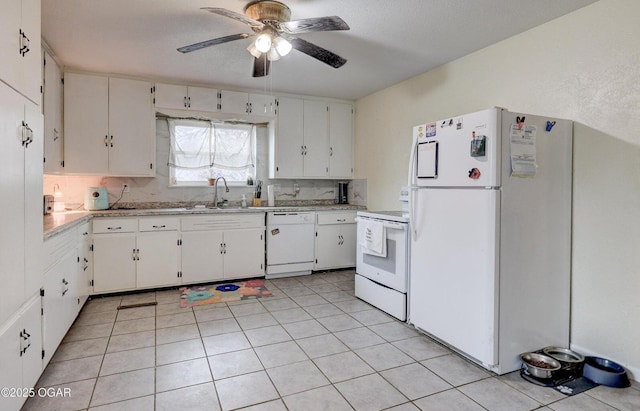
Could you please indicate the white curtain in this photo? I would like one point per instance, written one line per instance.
(190, 146)
(201, 149)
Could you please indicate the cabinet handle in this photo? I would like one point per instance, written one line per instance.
(341, 220)
(56, 134)
(27, 134)
(189, 102)
(111, 141)
(221, 249)
(330, 151)
(185, 101)
(114, 228)
(24, 43)
(224, 246)
(160, 226)
(106, 141)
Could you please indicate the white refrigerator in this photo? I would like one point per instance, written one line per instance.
(490, 217)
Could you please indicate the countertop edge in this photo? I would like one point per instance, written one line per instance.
(57, 223)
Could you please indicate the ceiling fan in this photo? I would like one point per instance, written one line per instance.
(274, 31)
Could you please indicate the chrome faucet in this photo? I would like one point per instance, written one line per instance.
(215, 190)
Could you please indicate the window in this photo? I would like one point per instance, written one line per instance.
(201, 149)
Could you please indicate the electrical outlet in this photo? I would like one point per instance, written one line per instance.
(125, 188)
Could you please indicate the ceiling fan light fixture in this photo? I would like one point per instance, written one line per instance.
(253, 50)
(282, 46)
(263, 42)
(273, 54)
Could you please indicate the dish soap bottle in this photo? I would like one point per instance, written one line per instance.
(243, 204)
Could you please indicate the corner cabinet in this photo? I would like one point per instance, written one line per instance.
(335, 240)
(313, 139)
(109, 126)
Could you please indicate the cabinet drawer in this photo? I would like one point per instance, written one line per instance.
(158, 224)
(340, 217)
(222, 222)
(115, 225)
(56, 247)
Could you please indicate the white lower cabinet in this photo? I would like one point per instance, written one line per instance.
(221, 247)
(335, 240)
(157, 259)
(59, 302)
(21, 354)
(114, 265)
(130, 253)
(202, 256)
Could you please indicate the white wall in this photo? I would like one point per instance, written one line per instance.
(585, 67)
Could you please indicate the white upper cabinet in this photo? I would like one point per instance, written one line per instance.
(286, 156)
(109, 126)
(235, 102)
(340, 140)
(314, 139)
(52, 108)
(179, 97)
(20, 47)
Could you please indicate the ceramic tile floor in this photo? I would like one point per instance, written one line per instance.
(312, 346)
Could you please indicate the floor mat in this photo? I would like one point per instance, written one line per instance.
(223, 292)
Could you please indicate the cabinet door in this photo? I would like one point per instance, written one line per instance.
(86, 124)
(202, 256)
(244, 253)
(31, 77)
(171, 96)
(114, 267)
(85, 268)
(32, 357)
(335, 246)
(131, 128)
(289, 139)
(12, 184)
(316, 139)
(33, 201)
(58, 303)
(340, 140)
(11, 375)
(234, 102)
(202, 99)
(21, 70)
(52, 116)
(157, 260)
(262, 105)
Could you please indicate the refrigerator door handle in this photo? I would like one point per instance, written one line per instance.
(411, 181)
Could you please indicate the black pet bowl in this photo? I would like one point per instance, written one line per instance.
(605, 372)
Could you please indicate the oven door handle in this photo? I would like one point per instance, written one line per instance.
(387, 224)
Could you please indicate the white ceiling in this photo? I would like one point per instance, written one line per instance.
(389, 40)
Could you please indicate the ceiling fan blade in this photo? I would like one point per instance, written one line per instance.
(213, 42)
(314, 24)
(254, 24)
(317, 52)
(261, 66)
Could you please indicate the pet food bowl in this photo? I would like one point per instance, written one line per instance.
(563, 354)
(605, 372)
(539, 365)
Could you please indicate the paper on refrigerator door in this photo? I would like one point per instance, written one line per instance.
(523, 150)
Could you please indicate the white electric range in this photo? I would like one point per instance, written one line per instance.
(382, 280)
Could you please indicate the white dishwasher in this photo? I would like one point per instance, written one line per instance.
(290, 243)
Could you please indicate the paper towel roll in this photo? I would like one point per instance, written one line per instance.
(271, 200)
